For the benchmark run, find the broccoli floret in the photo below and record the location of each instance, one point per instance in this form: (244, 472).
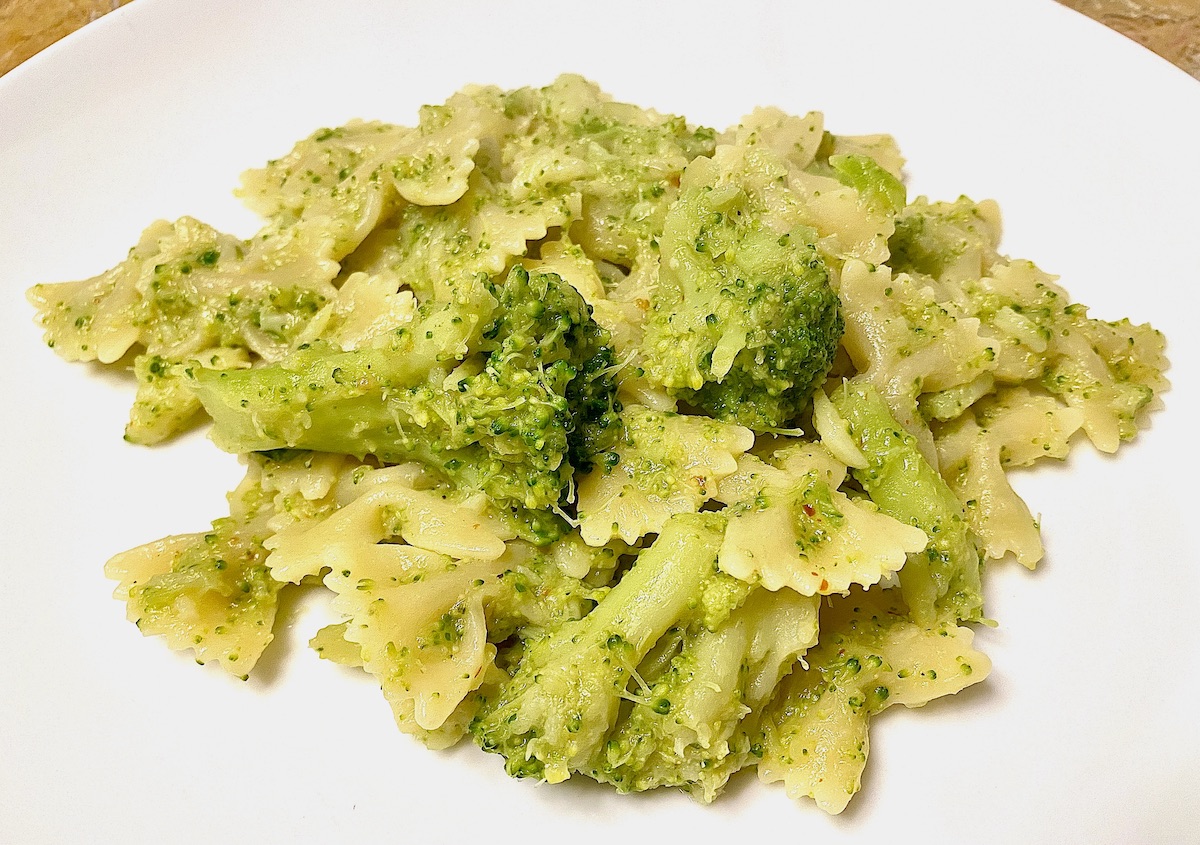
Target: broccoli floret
(552, 718)
(696, 725)
(501, 422)
(744, 322)
(943, 581)
(546, 328)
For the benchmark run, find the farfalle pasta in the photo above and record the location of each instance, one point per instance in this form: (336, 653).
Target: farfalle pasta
(632, 449)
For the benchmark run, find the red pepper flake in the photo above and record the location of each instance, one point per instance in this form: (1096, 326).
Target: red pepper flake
(809, 510)
(824, 585)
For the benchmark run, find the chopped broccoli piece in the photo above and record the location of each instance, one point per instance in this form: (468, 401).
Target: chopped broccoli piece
(943, 580)
(881, 189)
(692, 727)
(744, 322)
(552, 718)
(501, 423)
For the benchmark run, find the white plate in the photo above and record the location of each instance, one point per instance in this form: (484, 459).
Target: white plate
(1084, 733)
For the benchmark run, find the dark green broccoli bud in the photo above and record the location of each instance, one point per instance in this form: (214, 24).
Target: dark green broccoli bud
(744, 321)
(595, 425)
(544, 325)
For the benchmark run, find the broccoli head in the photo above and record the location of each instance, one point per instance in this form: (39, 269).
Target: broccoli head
(532, 398)
(744, 322)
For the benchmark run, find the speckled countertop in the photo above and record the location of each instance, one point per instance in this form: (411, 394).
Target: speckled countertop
(1170, 28)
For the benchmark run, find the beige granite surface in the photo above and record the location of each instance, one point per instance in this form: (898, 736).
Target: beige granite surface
(1170, 28)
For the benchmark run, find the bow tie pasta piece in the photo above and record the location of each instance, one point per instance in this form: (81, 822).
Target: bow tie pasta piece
(432, 165)
(1013, 428)
(1110, 372)
(422, 659)
(189, 297)
(367, 312)
(150, 298)
(795, 140)
(665, 464)
(328, 192)
(694, 726)
(385, 507)
(210, 592)
(870, 656)
(165, 403)
(949, 242)
(214, 592)
(800, 531)
(420, 628)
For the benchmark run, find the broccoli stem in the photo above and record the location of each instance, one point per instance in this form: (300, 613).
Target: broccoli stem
(316, 399)
(553, 716)
(695, 727)
(943, 580)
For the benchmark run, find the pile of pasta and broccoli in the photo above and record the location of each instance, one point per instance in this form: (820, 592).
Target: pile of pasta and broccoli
(631, 449)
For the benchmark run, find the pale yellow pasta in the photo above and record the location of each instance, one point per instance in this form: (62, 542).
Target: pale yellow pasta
(793, 139)
(667, 464)
(905, 342)
(387, 506)
(366, 311)
(209, 592)
(869, 657)
(1015, 428)
(419, 626)
(799, 531)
